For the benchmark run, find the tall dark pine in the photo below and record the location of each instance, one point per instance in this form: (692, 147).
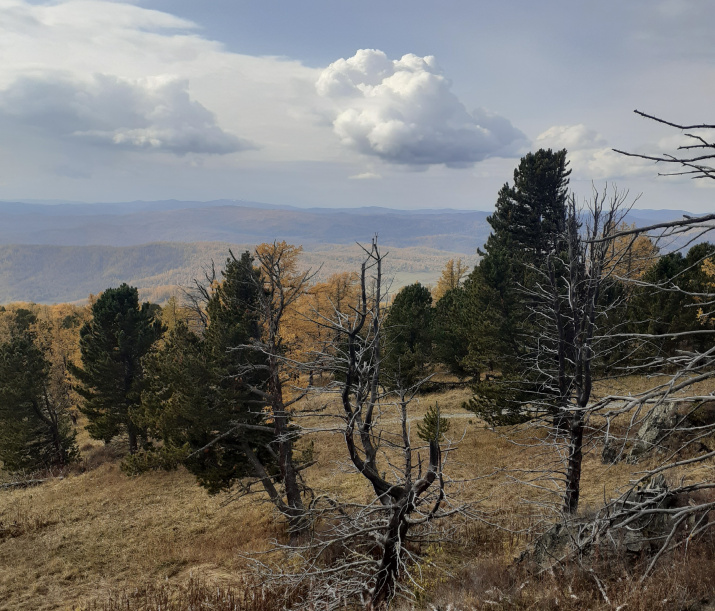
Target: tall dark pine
(528, 223)
(112, 345)
(530, 215)
(452, 332)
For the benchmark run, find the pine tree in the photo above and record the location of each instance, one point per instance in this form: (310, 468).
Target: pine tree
(452, 332)
(35, 432)
(197, 396)
(530, 215)
(527, 224)
(433, 426)
(673, 310)
(408, 337)
(112, 345)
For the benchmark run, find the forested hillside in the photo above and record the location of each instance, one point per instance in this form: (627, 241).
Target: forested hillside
(55, 274)
(63, 252)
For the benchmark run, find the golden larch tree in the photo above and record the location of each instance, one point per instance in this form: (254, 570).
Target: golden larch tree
(451, 278)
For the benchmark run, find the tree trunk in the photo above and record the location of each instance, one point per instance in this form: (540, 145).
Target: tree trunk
(389, 569)
(573, 471)
(57, 442)
(132, 431)
(52, 421)
(261, 473)
(295, 509)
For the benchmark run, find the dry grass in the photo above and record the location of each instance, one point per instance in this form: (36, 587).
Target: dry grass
(101, 540)
(81, 537)
(198, 595)
(685, 584)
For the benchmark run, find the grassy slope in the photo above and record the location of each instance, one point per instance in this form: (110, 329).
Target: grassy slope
(72, 541)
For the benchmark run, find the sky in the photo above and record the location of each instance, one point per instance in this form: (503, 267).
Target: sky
(403, 104)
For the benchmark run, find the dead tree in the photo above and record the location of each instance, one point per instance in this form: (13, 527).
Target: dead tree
(692, 157)
(365, 551)
(570, 326)
(361, 396)
(669, 504)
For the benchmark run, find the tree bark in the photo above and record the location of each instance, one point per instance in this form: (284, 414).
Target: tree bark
(294, 502)
(389, 568)
(573, 471)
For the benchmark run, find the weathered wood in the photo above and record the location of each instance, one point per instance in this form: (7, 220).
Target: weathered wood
(23, 484)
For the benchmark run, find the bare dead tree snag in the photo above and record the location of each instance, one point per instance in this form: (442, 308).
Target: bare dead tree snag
(669, 504)
(363, 551)
(360, 397)
(570, 324)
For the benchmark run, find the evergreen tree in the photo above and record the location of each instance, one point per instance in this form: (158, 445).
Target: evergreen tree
(112, 345)
(527, 224)
(408, 337)
(433, 426)
(451, 332)
(674, 309)
(198, 397)
(35, 432)
(530, 215)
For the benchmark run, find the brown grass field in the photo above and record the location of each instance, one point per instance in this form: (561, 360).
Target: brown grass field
(98, 539)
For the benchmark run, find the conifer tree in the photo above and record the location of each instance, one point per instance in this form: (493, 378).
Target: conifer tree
(527, 225)
(111, 377)
(35, 432)
(673, 310)
(433, 426)
(197, 399)
(452, 332)
(215, 397)
(408, 337)
(530, 215)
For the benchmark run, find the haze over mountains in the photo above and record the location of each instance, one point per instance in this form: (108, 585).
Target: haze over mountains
(62, 252)
(236, 222)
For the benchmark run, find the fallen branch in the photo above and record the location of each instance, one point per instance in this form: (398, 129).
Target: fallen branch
(23, 484)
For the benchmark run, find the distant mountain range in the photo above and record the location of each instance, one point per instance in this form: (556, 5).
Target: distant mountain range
(54, 252)
(134, 223)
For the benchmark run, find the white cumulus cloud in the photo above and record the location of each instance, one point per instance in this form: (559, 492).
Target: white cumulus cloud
(404, 111)
(146, 113)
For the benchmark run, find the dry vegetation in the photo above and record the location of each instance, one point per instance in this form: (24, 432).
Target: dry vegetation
(98, 539)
